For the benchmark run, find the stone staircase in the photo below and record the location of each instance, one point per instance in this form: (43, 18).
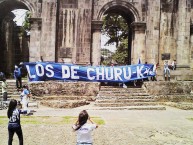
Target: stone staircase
(64, 101)
(117, 98)
(12, 90)
(13, 93)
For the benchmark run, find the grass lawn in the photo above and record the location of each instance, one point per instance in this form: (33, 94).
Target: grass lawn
(55, 120)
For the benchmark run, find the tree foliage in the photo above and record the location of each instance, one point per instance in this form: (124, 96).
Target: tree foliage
(26, 24)
(121, 54)
(116, 28)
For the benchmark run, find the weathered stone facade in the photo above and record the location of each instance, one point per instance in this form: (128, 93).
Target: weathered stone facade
(71, 29)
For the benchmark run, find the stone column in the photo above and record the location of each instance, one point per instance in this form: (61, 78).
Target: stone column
(96, 43)
(183, 35)
(138, 50)
(35, 37)
(191, 46)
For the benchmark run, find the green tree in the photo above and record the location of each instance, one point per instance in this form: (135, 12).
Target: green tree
(26, 24)
(121, 54)
(106, 56)
(116, 28)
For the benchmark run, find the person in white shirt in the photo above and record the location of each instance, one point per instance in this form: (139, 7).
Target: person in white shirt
(173, 65)
(25, 95)
(84, 129)
(4, 89)
(166, 71)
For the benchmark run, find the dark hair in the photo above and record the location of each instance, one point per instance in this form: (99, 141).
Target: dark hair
(82, 119)
(24, 86)
(12, 106)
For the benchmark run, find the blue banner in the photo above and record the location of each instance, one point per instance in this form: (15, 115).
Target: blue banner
(43, 71)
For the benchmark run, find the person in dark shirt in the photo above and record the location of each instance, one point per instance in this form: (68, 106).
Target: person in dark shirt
(2, 76)
(17, 76)
(14, 125)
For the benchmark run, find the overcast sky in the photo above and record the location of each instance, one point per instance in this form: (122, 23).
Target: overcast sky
(19, 16)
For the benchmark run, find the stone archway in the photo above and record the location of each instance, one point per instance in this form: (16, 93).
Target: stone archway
(136, 39)
(14, 48)
(29, 5)
(119, 4)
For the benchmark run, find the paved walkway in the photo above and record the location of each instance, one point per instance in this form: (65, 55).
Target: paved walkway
(122, 127)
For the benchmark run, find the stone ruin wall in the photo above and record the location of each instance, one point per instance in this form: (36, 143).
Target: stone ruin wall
(43, 30)
(56, 88)
(74, 31)
(48, 30)
(62, 29)
(168, 24)
(175, 91)
(168, 30)
(191, 36)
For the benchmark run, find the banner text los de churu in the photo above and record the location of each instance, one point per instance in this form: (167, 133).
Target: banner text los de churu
(43, 71)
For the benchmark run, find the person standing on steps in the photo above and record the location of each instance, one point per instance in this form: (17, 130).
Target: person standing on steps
(2, 76)
(17, 76)
(4, 86)
(25, 95)
(14, 125)
(173, 65)
(84, 129)
(166, 71)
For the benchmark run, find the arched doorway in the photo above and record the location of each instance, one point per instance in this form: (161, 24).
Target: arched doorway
(14, 44)
(136, 31)
(117, 23)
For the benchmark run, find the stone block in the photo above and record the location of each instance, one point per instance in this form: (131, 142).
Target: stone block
(64, 88)
(169, 88)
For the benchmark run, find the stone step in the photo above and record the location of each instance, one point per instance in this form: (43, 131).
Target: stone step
(33, 104)
(124, 97)
(126, 104)
(120, 91)
(12, 92)
(89, 98)
(122, 94)
(14, 97)
(130, 108)
(123, 89)
(18, 99)
(124, 100)
(13, 82)
(64, 104)
(180, 105)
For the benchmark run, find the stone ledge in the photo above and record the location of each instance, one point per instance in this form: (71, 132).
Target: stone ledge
(180, 105)
(168, 88)
(64, 88)
(64, 104)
